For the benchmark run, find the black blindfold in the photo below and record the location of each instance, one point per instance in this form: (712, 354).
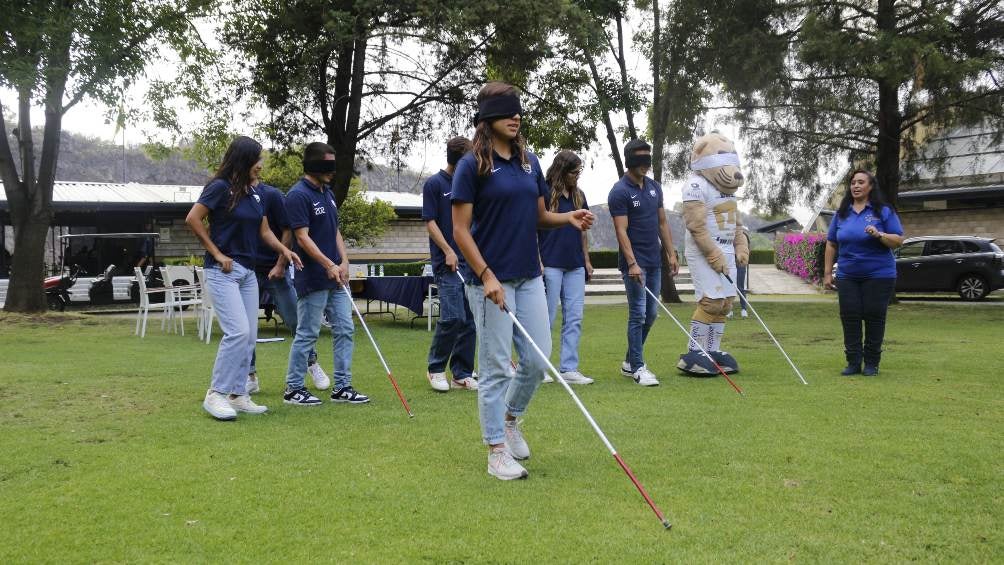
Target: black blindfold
(633, 161)
(320, 166)
(505, 106)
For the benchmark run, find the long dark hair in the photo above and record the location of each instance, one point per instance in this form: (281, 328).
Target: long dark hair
(874, 197)
(564, 162)
(483, 132)
(242, 154)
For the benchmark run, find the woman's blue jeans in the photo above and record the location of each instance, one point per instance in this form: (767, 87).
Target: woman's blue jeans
(569, 287)
(235, 302)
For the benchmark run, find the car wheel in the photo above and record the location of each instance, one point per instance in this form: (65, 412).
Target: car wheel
(972, 287)
(56, 303)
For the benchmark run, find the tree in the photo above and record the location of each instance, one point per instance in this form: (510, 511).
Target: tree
(817, 82)
(55, 53)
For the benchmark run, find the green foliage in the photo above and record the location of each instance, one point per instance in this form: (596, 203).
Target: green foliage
(401, 269)
(603, 258)
(761, 256)
(362, 222)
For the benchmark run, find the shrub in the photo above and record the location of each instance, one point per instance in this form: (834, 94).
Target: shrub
(801, 254)
(761, 256)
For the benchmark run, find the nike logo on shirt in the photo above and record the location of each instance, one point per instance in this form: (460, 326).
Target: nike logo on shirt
(317, 203)
(496, 170)
(447, 193)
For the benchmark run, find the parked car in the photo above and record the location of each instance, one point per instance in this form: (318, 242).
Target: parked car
(971, 266)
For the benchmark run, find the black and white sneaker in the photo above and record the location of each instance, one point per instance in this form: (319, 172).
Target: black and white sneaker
(350, 395)
(300, 397)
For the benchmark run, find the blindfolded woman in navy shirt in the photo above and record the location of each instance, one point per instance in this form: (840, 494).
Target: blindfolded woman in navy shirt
(236, 221)
(498, 204)
(862, 236)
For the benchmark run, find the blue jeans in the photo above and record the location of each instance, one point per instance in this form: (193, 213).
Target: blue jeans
(284, 297)
(569, 286)
(642, 310)
(741, 283)
(335, 304)
(235, 301)
(864, 300)
(455, 339)
(498, 393)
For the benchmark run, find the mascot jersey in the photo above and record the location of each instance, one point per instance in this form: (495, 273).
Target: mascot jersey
(720, 219)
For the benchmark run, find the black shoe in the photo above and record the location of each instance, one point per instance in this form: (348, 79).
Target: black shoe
(300, 397)
(850, 370)
(350, 395)
(870, 370)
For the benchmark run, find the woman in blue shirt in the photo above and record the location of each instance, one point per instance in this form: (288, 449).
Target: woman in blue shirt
(862, 236)
(498, 204)
(236, 221)
(564, 252)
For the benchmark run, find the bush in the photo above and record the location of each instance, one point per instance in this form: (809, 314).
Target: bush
(801, 254)
(603, 258)
(400, 269)
(761, 256)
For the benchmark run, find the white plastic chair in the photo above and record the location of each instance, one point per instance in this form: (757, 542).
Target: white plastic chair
(205, 311)
(180, 296)
(145, 305)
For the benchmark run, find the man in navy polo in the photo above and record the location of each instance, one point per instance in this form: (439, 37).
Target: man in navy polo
(313, 217)
(636, 206)
(455, 338)
(274, 276)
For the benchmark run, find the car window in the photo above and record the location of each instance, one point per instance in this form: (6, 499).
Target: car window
(908, 250)
(993, 247)
(943, 247)
(971, 246)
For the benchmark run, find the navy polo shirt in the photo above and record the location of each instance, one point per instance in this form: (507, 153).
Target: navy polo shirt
(504, 218)
(274, 206)
(313, 207)
(641, 205)
(234, 232)
(860, 255)
(562, 248)
(436, 206)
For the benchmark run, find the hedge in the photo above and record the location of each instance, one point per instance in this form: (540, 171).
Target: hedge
(607, 259)
(801, 254)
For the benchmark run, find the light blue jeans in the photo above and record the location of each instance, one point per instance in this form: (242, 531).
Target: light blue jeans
(235, 302)
(498, 393)
(642, 310)
(335, 304)
(568, 286)
(284, 297)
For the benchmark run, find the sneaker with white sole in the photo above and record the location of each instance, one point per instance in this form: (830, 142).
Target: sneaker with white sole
(245, 404)
(438, 381)
(300, 397)
(466, 383)
(576, 378)
(547, 378)
(252, 385)
(350, 395)
(514, 440)
(644, 377)
(218, 407)
(502, 465)
(744, 314)
(320, 378)
(626, 369)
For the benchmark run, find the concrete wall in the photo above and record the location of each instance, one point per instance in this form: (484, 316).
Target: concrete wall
(984, 222)
(405, 239)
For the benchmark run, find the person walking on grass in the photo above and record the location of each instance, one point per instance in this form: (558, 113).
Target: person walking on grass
(236, 222)
(636, 205)
(862, 235)
(564, 252)
(454, 340)
(313, 217)
(498, 205)
(274, 275)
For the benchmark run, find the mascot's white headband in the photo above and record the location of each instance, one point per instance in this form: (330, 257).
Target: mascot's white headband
(716, 160)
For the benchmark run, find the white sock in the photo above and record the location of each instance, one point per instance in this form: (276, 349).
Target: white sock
(698, 335)
(715, 336)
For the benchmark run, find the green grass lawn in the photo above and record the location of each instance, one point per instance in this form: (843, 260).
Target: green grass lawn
(107, 455)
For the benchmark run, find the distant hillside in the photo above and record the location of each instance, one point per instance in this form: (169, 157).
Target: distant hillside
(82, 158)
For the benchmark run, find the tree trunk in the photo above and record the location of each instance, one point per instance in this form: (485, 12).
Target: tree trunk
(657, 120)
(625, 84)
(890, 119)
(669, 291)
(24, 293)
(615, 150)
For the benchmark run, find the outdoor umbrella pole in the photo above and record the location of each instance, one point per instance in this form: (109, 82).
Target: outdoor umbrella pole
(390, 376)
(589, 418)
(752, 309)
(684, 330)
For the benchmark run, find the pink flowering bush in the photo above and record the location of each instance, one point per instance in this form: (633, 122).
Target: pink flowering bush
(801, 254)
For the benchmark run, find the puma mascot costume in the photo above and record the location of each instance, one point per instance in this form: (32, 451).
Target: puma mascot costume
(713, 249)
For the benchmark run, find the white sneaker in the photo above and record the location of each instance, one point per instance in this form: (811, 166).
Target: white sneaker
(501, 465)
(320, 378)
(438, 381)
(626, 369)
(466, 383)
(218, 407)
(744, 314)
(547, 378)
(514, 440)
(252, 385)
(729, 315)
(644, 377)
(245, 404)
(576, 378)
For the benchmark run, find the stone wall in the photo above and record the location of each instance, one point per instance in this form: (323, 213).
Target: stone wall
(983, 222)
(405, 238)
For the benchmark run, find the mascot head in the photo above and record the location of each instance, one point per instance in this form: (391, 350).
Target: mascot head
(714, 158)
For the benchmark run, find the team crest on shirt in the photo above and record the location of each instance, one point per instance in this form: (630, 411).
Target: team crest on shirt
(526, 168)
(652, 192)
(257, 198)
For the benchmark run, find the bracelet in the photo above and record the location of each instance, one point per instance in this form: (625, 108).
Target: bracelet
(632, 264)
(481, 277)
